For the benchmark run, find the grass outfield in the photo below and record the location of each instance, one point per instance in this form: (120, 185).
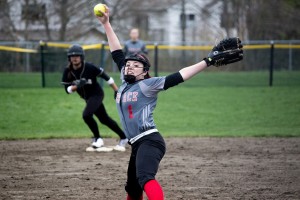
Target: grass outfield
(209, 79)
(210, 104)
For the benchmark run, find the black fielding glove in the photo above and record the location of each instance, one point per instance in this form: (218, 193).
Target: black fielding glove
(228, 51)
(80, 83)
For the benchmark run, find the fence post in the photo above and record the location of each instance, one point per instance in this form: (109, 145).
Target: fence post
(290, 58)
(271, 63)
(102, 59)
(156, 59)
(42, 44)
(102, 54)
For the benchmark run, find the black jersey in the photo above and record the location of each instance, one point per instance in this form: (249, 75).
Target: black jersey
(90, 72)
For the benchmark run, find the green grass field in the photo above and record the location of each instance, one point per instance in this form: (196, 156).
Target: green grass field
(211, 104)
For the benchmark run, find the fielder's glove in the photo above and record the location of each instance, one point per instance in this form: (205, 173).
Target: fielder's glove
(80, 83)
(228, 51)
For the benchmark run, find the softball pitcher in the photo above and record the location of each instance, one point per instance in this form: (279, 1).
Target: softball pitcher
(81, 76)
(136, 101)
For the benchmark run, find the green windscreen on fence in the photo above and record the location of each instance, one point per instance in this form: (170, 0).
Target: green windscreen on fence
(41, 64)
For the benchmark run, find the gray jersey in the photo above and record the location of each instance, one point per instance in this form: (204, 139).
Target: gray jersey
(131, 47)
(136, 103)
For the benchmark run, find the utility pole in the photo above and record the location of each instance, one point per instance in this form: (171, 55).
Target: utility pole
(183, 27)
(183, 21)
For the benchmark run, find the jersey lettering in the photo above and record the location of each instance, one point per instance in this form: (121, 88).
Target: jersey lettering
(124, 98)
(118, 97)
(134, 96)
(127, 97)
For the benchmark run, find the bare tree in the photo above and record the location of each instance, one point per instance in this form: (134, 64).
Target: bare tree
(275, 20)
(259, 19)
(76, 16)
(9, 32)
(47, 28)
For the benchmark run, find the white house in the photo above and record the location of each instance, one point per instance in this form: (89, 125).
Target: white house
(159, 21)
(164, 22)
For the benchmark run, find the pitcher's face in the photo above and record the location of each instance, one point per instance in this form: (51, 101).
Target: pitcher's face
(135, 68)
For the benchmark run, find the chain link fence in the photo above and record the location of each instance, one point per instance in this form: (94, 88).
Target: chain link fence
(46, 60)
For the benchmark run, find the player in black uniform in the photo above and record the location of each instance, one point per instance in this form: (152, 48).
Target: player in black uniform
(81, 76)
(136, 101)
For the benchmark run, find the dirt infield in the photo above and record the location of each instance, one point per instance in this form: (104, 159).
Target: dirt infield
(192, 169)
